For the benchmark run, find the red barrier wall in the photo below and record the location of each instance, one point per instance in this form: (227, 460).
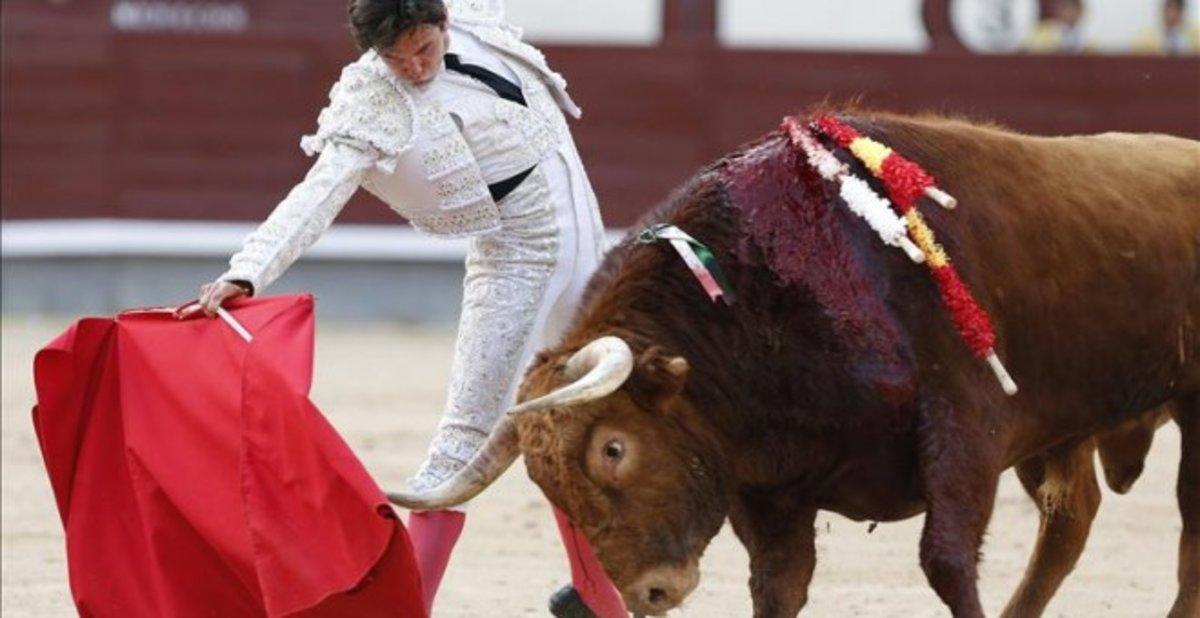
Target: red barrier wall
(103, 123)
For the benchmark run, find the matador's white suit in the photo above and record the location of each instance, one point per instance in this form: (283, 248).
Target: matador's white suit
(431, 153)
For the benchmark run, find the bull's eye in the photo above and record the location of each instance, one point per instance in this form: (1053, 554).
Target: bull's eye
(614, 450)
(609, 457)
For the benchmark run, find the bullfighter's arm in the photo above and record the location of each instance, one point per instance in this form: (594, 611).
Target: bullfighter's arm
(369, 122)
(300, 219)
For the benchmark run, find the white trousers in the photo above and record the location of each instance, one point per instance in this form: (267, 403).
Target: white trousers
(522, 286)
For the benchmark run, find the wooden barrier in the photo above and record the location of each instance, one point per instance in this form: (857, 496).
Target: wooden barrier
(102, 122)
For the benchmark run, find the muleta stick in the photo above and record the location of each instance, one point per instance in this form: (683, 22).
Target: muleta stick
(906, 182)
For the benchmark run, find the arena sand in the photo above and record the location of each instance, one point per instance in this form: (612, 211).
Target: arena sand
(381, 386)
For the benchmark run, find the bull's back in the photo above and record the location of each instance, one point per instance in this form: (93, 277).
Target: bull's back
(1085, 252)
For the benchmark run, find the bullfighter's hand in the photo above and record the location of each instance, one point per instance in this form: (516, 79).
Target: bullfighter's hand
(212, 296)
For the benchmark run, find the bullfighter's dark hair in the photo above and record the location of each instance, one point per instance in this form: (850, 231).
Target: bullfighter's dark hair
(378, 24)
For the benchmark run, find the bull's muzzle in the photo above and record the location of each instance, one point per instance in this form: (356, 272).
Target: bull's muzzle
(661, 588)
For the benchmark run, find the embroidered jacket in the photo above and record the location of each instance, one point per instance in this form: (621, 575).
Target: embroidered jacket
(429, 154)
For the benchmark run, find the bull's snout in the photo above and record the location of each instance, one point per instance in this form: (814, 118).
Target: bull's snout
(661, 588)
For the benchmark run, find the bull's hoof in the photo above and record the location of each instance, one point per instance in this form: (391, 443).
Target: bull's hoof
(566, 603)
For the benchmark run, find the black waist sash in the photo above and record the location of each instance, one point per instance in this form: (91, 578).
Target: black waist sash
(505, 90)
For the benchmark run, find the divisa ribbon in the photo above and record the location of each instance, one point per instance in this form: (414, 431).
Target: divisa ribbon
(698, 257)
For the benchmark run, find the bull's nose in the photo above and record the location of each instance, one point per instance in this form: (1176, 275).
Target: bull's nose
(662, 588)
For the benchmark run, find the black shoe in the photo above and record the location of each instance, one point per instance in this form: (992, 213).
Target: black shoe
(566, 603)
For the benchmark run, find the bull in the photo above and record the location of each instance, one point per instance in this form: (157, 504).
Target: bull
(837, 382)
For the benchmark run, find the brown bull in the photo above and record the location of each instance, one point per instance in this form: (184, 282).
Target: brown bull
(837, 381)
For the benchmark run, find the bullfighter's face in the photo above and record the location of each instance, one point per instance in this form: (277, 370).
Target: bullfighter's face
(636, 470)
(416, 56)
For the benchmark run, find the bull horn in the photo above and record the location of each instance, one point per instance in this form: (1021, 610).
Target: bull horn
(488, 463)
(598, 368)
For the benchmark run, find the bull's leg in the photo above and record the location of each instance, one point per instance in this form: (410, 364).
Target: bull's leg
(1063, 484)
(779, 537)
(1187, 415)
(959, 473)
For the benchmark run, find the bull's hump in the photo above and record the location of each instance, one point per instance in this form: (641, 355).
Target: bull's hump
(785, 210)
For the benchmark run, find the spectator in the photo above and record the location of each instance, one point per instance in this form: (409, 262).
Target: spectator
(1174, 36)
(1061, 31)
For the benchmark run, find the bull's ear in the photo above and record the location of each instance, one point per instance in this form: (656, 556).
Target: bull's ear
(657, 378)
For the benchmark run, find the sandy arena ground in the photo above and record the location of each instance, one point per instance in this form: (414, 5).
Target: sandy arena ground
(381, 386)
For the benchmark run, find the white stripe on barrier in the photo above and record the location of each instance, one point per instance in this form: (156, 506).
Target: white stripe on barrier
(49, 238)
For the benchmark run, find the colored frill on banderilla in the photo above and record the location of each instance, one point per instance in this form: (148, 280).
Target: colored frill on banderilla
(854, 191)
(906, 182)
